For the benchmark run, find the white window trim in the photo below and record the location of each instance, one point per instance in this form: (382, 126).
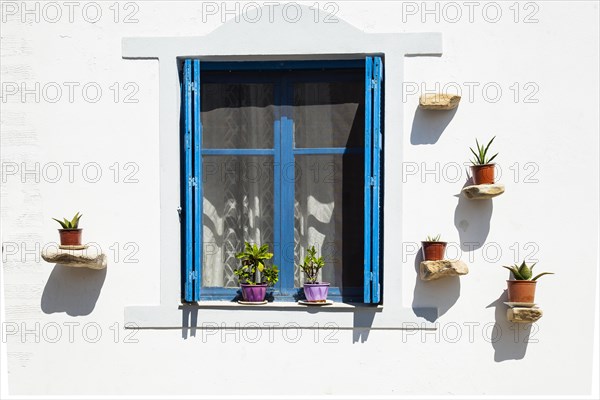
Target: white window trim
(307, 41)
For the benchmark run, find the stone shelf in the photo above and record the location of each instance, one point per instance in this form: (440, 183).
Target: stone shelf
(86, 258)
(432, 270)
(483, 192)
(523, 315)
(439, 101)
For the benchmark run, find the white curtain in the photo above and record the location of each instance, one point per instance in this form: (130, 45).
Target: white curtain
(325, 115)
(238, 190)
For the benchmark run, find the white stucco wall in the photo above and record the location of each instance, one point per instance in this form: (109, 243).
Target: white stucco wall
(546, 123)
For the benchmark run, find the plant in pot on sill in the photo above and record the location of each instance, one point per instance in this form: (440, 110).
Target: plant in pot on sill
(521, 289)
(433, 249)
(315, 292)
(483, 170)
(70, 234)
(254, 275)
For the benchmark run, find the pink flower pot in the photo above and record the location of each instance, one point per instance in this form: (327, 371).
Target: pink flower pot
(254, 293)
(316, 292)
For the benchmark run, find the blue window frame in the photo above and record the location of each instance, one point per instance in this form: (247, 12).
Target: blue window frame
(282, 76)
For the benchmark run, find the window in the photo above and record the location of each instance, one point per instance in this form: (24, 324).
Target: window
(284, 153)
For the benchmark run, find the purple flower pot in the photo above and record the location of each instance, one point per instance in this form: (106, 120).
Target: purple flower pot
(316, 291)
(254, 293)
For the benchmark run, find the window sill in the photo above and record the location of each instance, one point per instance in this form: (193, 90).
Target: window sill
(288, 306)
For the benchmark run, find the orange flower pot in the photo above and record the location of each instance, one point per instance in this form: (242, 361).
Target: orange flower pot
(433, 251)
(483, 174)
(70, 237)
(521, 291)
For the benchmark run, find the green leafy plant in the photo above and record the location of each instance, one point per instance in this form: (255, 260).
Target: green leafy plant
(433, 238)
(524, 272)
(481, 157)
(253, 270)
(271, 275)
(312, 265)
(69, 225)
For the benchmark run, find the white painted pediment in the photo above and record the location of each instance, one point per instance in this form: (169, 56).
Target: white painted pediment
(278, 36)
(286, 26)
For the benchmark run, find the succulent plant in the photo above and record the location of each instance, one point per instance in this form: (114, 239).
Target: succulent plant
(524, 272)
(69, 225)
(481, 154)
(311, 265)
(253, 269)
(433, 238)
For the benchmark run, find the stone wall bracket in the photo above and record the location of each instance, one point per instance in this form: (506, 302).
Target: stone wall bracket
(89, 257)
(433, 270)
(524, 315)
(439, 101)
(483, 192)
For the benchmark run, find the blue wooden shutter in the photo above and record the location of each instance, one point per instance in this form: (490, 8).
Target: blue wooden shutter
(187, 208)
(193, 190)
(368, 144)
(373, 142)
(376, 200)
(197, 142)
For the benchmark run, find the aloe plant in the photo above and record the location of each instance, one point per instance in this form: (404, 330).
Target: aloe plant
(525, 272)
(433, 238)
(481, 157)
(70, 225)
(312, 265)
(253, 270)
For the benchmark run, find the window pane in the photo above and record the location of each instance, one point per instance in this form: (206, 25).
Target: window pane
(328, 213)
(237, 207)
(329, 114)
(237, 116)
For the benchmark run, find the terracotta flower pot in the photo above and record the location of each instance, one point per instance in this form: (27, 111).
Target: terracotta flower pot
(483, 174)
(433, 251)
(521, 291)
(316, 292)
(70, 237)
(254, 293)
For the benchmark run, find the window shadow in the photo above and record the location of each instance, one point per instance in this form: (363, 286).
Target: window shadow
(428, 125)
(73, 291)
(508, 339)
(472, 220)
(441, 294)
(363, 321)
(189, 323)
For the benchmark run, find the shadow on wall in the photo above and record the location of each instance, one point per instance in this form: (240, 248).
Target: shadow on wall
(74, 291)
(428, 125)
(472, 220)
(189, 321)
(442, 294)
(362, 323)
(508, 339)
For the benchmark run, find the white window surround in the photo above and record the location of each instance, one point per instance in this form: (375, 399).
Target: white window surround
(278, 40)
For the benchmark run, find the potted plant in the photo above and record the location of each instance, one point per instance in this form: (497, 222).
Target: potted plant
(313, 290)
(521, 289)
(254, 275)
(433, 249)
(70, 234)
(483, 169)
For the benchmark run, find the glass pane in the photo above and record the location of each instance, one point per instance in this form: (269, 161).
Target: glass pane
(329, 114)
(237, 207)
(237, 115)
(328, 213)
